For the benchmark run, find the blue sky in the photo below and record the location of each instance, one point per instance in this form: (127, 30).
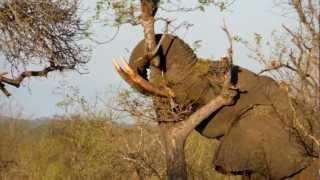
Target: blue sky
(244, 18)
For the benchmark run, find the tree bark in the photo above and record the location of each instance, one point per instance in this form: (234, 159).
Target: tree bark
(175, 156)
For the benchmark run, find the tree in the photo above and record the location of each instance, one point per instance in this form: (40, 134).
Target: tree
(42, 34)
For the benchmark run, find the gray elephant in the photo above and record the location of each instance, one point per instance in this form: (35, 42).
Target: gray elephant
(258, 134)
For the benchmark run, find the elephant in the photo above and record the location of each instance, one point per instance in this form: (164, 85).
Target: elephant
(258, 134)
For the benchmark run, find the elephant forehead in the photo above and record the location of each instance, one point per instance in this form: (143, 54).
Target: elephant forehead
(172, 51)
(177, 53)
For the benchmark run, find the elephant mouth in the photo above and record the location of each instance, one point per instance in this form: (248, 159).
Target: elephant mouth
(138, 82)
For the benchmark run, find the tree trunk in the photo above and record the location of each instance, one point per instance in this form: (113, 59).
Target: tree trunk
(175, 156)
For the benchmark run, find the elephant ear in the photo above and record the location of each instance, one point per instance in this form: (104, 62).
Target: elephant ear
(136, 62)
(259, 143)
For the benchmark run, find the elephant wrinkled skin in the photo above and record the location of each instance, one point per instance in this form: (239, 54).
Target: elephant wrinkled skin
(257, 133)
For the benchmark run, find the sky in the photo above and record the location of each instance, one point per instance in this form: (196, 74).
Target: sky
(38, 97)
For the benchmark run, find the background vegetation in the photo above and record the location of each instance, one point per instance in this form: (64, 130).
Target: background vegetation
(84, 148)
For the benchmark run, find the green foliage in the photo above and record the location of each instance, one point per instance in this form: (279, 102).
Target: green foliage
(117, 13)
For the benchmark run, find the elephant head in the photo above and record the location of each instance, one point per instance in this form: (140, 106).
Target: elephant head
(182, 70)
(255, 133)
(176, 57)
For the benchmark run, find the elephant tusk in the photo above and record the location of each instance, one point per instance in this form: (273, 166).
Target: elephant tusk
(136, 81)
(122, 73)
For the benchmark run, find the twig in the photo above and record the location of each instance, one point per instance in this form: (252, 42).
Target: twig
(108, 40)
(297, 40)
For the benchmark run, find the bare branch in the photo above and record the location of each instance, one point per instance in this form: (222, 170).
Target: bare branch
(18, 80)
(297, 4)
(281, 65)
(230, 49)
(297, 40)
